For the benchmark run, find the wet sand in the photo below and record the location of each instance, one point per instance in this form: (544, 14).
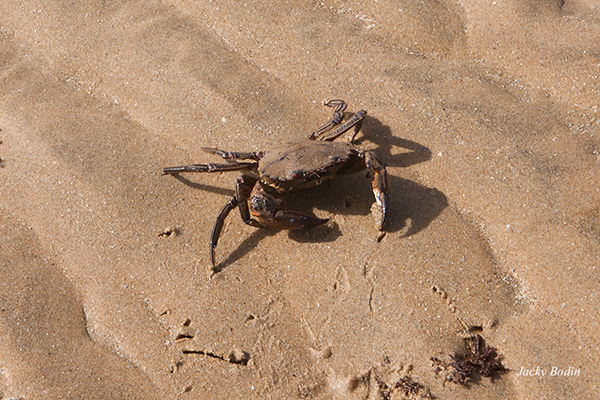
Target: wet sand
(486, 115)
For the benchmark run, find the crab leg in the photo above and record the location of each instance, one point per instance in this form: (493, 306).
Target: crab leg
(243, 186)
(218, 227)
(339, 106)
(248, 166)
(380, 182)
(355, 121)
(234, 156)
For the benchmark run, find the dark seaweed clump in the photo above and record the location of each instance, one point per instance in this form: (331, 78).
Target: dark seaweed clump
(479, 360)
(405, 385)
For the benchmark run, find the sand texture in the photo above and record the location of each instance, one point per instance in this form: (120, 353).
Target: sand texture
(486, 114)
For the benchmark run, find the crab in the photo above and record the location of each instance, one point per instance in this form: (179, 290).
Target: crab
(268, 175)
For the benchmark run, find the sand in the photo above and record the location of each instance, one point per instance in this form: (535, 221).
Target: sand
(486, 114)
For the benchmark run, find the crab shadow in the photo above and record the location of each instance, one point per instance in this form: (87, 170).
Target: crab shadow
(381, 136)
(412, 206)
(322, 233)
(202, 186)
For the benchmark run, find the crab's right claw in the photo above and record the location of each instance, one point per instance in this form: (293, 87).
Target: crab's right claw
(380, 183)
(381, 194)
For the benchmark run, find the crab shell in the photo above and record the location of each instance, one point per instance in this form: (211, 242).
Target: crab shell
(305, 163)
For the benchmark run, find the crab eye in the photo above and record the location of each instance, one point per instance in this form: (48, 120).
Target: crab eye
(296, 174)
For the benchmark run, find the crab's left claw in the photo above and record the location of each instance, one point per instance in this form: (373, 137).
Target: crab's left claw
(292, 220)
(380, 182)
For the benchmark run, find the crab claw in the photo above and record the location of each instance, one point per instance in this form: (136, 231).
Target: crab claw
(381, 198)
(264, 208)
(288, 219)
(380, 182)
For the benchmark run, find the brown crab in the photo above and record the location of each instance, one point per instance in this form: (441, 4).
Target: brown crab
(291, 166)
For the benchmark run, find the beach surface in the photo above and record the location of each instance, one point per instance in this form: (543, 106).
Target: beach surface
(486, 114)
